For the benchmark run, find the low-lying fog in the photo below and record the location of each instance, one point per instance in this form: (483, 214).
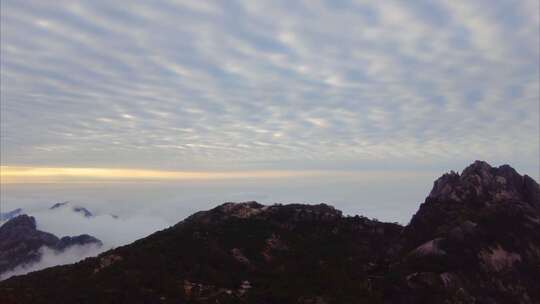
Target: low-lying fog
(145, 207)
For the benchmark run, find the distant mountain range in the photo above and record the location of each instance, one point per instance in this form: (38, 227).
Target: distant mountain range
(475, 239)
(4, 217)
(21, 242)
(85, 212)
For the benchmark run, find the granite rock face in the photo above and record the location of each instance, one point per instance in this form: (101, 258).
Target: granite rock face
(485, 223)
(480, 188)
(474, 240)
(482, 184)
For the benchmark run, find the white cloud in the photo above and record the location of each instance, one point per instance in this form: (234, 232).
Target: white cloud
(112, 232)
(51, 258)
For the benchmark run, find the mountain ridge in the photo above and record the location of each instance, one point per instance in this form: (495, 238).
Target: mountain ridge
(473, 240)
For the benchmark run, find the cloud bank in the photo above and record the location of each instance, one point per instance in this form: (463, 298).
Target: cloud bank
(111, 230)
(50, 258)
(269, 84)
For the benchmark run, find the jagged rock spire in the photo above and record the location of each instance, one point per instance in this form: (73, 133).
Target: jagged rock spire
(482, 182)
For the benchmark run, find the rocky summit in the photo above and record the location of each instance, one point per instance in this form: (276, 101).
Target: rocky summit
(475, 239)
(21, 241)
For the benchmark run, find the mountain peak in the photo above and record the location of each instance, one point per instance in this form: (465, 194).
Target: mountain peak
(58, 205)
(482, 182)
(246, 210)
(22, 221)
(241, 210)
(478, 166)
(83, 239)
(85, 212)
(20, 242)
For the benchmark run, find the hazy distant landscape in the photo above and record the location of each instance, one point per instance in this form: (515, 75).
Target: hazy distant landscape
(175, 200)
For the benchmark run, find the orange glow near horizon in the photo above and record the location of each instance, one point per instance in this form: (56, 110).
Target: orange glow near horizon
(17, 174)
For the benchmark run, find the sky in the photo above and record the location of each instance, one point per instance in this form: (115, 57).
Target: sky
(267, 91)
(270, 85)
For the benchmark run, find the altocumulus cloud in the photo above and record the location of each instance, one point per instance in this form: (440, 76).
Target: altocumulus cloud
(269, 84)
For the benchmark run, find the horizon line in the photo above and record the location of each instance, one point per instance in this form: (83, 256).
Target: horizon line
(36, 174)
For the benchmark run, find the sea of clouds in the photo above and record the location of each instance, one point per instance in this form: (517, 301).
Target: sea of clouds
(125, 212)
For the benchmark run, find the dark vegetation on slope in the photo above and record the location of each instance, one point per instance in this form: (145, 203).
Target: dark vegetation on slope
(474, 240)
